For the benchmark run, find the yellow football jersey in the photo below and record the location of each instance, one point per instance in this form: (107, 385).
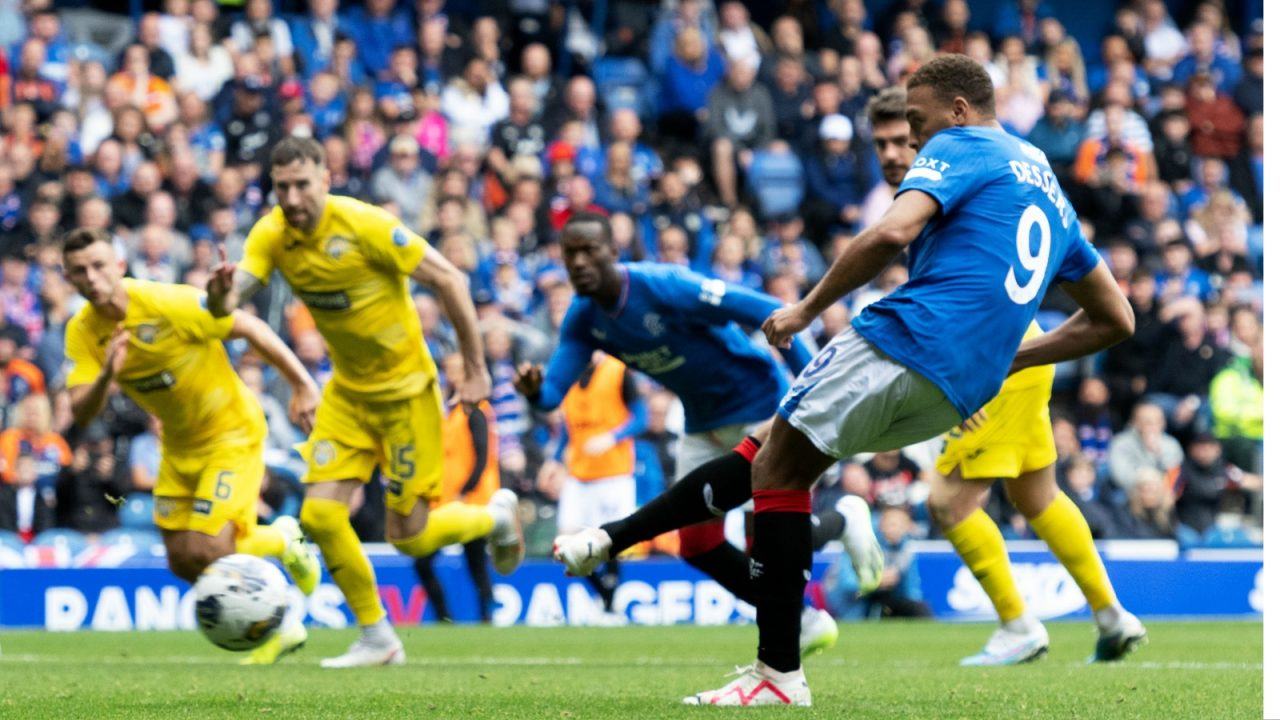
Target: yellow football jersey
(176, 367)
(1032, 376)
(352, 273)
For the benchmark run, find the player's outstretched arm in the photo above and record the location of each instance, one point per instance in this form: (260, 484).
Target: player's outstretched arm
(305, 396)
(868, 254)
(450, 287)
(1104, 319)
(87, 400)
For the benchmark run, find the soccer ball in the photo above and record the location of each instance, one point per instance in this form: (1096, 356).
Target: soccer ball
(240, 601)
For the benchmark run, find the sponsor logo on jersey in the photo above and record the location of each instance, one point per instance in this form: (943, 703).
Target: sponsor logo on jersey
(927, 168)
(164, 506)
(336, 300)
(202, 506)
(653, 324)
(146, 333)
(160, 381)
(653, 362)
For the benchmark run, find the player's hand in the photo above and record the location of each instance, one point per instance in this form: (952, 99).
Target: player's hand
(475, 387)
(303, 402)
(117, 352)
(529, 380)
(599, 444)
(784, 323)
(222, 279)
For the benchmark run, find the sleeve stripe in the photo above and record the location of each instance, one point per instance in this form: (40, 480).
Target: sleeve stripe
(924, 173)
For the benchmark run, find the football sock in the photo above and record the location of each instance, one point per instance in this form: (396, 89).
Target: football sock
(262, 541)
(781, 560)
(379, 632)
(478, 567)
(448, 524)
(605, 581)
(423, 566)
(827, 526)
(979, 544)
(707, 492)
(1066, 532)
(328, 523)
(703, 546)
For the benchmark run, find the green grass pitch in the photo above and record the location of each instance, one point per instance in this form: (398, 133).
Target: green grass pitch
(882, 670)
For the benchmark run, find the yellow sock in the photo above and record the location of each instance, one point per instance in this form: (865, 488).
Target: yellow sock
(261, 540)
(1065, 531)
(329, 525)
(448, 524)
(978, 542)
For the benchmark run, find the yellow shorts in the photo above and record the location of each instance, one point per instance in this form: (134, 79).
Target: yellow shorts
(1015, 437)
(203, 491)
(403, 437)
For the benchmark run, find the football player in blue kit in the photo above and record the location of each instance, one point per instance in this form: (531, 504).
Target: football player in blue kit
(683, 330)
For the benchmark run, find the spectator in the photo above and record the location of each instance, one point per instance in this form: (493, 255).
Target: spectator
(205, 67)
(520, 134)
(732, 265)
(89, 488)
(1181, 373)
(617, 190)
(836, 182)
(1058, 133)
(25, 508)
(1143, 446)
(1205, 57)
(1093, 420)
(1178, 276)
(253, 128)
(687, 80)
(1081, 487)
(1235, 400)
(1248, 95)
(1217, 125)
(32, 435)
(739, 121)
(402, 181)
(1151, 514)
(474, 101)
(789, 91)
(1202, 481)
(144, 458)
(739, 39)
(376, 30)
(148, 92)
(788, 252)
(899, 594)
(313, 36)
(776, 180)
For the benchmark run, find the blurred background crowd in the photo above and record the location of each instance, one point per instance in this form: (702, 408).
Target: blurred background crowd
(730, 137)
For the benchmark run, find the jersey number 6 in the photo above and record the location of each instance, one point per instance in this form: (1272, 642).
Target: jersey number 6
(1036, 263)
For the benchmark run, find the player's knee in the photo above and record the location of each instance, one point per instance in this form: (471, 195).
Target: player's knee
(319, 517)
(940, 509)
(192, 559)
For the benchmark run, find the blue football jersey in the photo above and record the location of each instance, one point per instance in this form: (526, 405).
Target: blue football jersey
(982, 264)
(683, 330)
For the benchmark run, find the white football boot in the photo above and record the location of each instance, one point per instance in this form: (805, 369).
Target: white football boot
(859, 540)
(818, 631)
(377, 645)
(506, 541)
(755, 685)
(1011, 646)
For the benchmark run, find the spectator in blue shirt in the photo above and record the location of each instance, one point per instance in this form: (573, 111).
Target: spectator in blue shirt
(835, 179)
(1058, 133)
(687, 81)
(378, 28)
(1205, 57)
(314, 35)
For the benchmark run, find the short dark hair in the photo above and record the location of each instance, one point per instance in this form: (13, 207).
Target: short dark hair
(951, 75)
(591, 217)
(81, 238)
(889, 105)
(292, 149)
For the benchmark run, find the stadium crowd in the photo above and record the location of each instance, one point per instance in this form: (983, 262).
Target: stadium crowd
(714, 135)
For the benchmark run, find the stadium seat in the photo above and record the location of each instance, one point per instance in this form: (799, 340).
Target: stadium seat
(623, 83)
(140, 538)
(71, 540)
(137, 511)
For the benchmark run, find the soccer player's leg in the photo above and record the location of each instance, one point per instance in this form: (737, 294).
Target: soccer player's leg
(341, 454)
(1059, 523)
(966, 471)
(411, 445)
(216, 516)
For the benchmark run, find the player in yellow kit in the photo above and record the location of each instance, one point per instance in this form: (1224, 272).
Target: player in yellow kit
(163, 349)
(350, 262)
(1011, 439)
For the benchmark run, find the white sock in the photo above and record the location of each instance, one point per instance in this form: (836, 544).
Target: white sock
(1022, 624)
(1108, 618)
(380, 633)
